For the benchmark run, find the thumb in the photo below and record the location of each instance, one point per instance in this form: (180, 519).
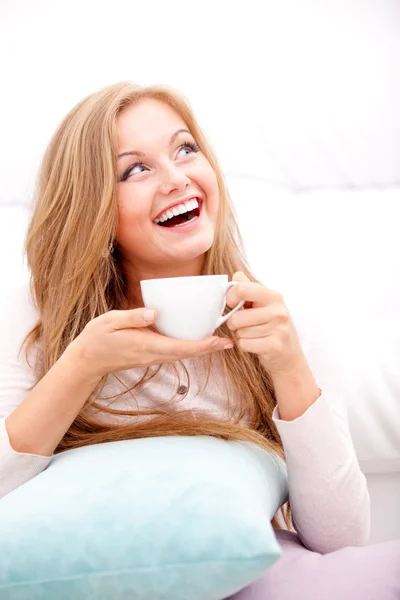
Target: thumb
(129, 318)
(135, 317)
(149, 315)
(240, 276)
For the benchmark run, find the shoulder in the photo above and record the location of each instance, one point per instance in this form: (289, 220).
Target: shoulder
(18, 300)
(18, 314)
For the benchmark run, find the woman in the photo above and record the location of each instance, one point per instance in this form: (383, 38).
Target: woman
(129, 189)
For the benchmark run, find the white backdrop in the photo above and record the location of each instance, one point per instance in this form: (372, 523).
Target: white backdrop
(303, 93)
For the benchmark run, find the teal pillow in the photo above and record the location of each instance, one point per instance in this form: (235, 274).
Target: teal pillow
(166, 518)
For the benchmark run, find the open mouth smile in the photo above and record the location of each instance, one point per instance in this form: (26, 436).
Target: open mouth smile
(180, 215)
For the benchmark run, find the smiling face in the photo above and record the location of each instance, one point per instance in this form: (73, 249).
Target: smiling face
(167, 194)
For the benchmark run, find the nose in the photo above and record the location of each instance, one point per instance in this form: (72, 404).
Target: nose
(173, 179)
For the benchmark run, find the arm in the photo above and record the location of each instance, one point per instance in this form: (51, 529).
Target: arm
(32, 424)
(328, 492)
(38, 424)
(29, 435)
(295, 391)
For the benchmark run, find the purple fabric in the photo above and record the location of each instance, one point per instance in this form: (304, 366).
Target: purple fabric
(354, 573)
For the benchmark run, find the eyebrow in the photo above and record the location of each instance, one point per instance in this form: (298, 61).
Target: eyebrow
(137, 153)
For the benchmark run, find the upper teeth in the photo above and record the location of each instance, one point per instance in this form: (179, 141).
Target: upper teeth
(177, 210)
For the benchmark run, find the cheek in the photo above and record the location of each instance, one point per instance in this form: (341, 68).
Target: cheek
(213, 194)
(208, 181)
(132, 213)
(132, 205)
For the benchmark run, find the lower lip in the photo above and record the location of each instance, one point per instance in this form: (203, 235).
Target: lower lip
(186, 227)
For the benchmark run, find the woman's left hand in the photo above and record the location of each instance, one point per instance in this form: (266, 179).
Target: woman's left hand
(265, 326)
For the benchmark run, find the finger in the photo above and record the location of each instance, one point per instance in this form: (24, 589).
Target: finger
(252, 292)
(223, 344)
(133, 318)
(170, 347)
(240, 276)
(248, 318)
(259, 331)
(215, 344)
(258, 316)
(260, 345)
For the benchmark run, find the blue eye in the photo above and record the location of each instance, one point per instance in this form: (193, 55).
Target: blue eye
(189, 146)
(129, 171)
(135, 166)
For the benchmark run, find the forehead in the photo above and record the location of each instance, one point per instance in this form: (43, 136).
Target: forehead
(147, 121)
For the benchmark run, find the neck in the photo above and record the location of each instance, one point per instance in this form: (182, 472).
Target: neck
(134, 276)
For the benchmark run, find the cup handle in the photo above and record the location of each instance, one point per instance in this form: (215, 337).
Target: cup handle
(222, 320)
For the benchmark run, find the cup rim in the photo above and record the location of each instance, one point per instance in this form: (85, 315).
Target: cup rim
(191, 277)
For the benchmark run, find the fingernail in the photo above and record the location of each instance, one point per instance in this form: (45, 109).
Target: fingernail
(227, 346)
(149, 315)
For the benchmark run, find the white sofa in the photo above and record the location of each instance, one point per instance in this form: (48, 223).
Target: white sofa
(335, 256)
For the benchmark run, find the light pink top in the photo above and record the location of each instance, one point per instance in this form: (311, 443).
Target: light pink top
(328, 492)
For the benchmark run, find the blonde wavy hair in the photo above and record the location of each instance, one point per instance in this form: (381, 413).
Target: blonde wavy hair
(76, 273)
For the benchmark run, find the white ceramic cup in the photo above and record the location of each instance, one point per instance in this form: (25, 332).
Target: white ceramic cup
(189, 308)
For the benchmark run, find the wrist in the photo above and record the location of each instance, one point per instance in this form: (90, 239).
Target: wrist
(75, 356)
(295, 390)
(296, 369)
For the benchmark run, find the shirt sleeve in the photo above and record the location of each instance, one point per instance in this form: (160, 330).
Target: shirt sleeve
(328, 492)
(17, 316)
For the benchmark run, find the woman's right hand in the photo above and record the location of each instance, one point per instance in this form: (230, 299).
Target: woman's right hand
(118, 340)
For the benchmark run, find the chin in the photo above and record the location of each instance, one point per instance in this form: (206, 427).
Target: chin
(200, 247)
(193, 251)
